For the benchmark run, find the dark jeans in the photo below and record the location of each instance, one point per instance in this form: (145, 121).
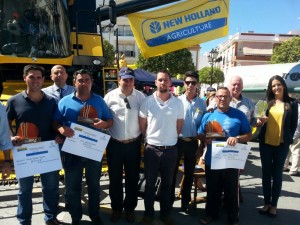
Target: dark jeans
(73, 179)
(127, 156)
(50, 184)
(272, 162)
(216, 182)
(163, 161)
(188, 150)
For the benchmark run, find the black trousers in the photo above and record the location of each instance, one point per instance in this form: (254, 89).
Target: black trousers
(189, 150)
(127, 156)
(216, 182)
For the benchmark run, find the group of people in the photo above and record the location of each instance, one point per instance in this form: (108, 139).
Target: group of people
(170, 128)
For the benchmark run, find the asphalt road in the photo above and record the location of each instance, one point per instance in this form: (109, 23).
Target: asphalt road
(288, 206)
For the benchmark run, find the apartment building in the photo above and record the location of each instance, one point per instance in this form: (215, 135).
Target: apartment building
(250, 48)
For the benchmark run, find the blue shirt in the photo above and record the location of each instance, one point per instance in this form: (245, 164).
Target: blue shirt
(234, 123)
(69, 109)
(193, 113)
(5, 142)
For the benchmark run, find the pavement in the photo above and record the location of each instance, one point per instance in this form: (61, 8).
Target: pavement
(288, 205)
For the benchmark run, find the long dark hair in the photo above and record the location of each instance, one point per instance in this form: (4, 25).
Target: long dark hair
(271, 96)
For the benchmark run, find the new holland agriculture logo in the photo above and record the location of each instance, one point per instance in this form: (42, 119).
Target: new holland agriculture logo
(165, 30)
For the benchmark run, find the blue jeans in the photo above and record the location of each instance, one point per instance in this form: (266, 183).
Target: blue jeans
(73, 179)
(50, 185)
(272, 162)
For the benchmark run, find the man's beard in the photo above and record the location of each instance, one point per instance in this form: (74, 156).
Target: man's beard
(163, 90)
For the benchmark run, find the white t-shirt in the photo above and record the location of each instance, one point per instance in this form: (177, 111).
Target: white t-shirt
(161, 119)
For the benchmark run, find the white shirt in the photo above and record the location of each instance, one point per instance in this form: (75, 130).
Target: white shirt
(125, 121)
(54, 91)
(161, 119)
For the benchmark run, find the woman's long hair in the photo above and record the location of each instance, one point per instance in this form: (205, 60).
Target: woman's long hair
(271, 96)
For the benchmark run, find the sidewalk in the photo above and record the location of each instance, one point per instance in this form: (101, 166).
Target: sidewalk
(288, 206)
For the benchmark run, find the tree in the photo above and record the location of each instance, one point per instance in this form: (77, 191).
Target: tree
(177, 62)
(287, 52)
(204, 75)
(108, 53)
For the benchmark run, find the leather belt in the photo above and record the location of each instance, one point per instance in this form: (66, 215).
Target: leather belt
(126, 141)
(162, 147)
(188, 139)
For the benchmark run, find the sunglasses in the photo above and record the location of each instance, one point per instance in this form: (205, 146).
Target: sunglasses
(190, 82)
(127, 103)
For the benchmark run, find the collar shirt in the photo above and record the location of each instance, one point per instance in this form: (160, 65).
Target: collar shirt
(193, 113)
(297, 133)
(161, 119)
(54, 91)
(125, 121)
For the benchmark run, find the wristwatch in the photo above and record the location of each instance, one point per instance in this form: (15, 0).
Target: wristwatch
(238, 139)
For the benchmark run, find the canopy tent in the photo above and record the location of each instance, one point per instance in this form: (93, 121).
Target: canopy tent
(144, 77)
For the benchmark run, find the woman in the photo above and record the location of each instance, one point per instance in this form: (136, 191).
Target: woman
(275, 137)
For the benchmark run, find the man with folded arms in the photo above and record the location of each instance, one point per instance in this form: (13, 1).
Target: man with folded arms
(161, 119)
(124, 148)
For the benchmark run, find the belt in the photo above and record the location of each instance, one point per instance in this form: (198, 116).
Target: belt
(126, 141)
(162, 147)
(188, 139)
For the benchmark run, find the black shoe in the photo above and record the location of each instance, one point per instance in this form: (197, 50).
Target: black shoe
(54, 222)
(130, 217)
(97, 221)
(115, 216)
(75, 222)
(186, 209)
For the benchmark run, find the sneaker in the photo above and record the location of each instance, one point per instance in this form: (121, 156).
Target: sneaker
(115, 216)
(97, 221)
(54, 222)
(130, 217)
(285, 169)
(146, 220)
(292, 173)
(167, 221)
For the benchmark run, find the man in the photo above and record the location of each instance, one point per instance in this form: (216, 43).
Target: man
(67, 112)
(237, 130)
(59, 89)
(124, 148)
(33, 106)
(5, 142)
(161, 120)
(194, 108)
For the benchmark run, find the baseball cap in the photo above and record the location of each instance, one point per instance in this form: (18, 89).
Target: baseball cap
(126, 73)
(210, 89)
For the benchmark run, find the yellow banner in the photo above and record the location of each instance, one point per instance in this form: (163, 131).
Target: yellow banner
(179, 26)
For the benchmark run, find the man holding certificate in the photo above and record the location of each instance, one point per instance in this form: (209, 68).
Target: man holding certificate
(88, 109)
(32, 111)
(225, 124)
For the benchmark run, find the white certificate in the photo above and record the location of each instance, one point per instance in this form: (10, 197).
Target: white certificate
(226, 156)
(86, 142)
(36, 158)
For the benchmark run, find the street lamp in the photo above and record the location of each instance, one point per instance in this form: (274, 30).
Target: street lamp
(212, 56)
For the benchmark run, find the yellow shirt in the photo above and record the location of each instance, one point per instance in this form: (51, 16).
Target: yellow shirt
(274, 132)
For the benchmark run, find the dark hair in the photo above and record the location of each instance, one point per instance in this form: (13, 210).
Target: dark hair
(33, 67)
(81, 71)
(164, 71)
(193, 74)
(223, 88)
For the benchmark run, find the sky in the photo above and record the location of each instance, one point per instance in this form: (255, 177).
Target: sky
(260, 16)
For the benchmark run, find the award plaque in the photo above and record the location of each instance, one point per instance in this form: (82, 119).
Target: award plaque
(28, 133)
(88, 114)
(260, 109)
(214, 130)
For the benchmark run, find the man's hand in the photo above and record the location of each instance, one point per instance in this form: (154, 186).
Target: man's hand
(232, 141)
(66, 131)
(16, 140)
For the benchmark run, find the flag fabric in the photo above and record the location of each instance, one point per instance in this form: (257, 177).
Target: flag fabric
(179, 26)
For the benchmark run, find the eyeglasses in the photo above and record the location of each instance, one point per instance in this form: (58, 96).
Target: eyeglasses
(190, 82)
(127, 103)
(222, 96)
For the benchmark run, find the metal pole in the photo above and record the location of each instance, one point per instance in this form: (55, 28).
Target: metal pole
(212, 71)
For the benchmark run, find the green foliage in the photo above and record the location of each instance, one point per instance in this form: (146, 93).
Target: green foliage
(287, 52)
(108, 53)
(204, 75)
(177, 62)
